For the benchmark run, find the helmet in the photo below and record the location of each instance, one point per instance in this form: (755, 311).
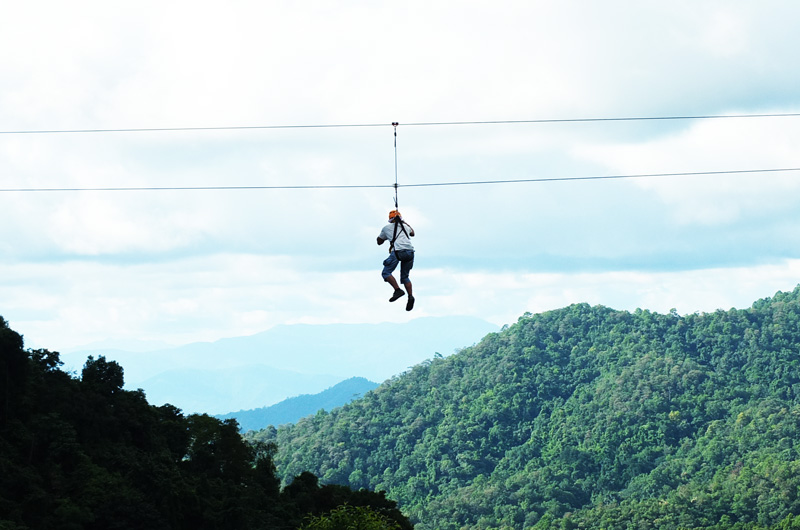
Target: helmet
(393, 214)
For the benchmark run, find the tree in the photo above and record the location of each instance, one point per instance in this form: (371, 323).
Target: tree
(348, 517)
(87, 454)
(104, 377)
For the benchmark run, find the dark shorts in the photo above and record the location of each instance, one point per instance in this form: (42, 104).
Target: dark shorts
(403, 257)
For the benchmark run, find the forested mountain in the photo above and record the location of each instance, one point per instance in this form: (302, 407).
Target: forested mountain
(83, 453)
(292, 409)
(584, 417)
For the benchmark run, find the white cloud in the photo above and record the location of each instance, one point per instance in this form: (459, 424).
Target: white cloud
(185, 266)
(727, 34)
(713, 145)
(233, 295)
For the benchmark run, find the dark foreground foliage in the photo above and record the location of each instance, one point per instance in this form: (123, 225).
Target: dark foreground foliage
(82, 453)
(584, 417)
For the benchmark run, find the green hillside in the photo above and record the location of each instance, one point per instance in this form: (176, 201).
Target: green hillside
(584, 417)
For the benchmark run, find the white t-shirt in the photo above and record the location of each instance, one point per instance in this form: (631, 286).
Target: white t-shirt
(402, 242)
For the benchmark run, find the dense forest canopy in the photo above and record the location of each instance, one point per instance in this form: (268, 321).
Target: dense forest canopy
(583, 417)
(82, 453)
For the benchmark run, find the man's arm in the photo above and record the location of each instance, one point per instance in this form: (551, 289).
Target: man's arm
(380, 240)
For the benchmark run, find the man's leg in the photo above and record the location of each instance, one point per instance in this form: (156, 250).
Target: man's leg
(406, 265)
(398, 292)
(410, 302)
(389, 265)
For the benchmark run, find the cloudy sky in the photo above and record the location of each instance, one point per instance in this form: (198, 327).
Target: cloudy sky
(195, 265)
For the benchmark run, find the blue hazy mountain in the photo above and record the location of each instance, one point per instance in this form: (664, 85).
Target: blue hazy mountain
(292, 409)
(217, 390)
(259, 370)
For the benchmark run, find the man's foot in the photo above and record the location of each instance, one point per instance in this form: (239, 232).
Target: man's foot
(410, 303)
(397, 294)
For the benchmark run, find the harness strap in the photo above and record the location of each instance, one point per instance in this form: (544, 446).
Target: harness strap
(394, 235)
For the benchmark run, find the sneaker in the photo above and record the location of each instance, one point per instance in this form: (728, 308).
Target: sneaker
(410, 303)
(397, 294)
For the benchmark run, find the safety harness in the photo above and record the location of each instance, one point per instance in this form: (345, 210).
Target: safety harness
(395, 234)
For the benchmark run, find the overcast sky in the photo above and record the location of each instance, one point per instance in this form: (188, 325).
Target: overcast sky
(185, 266)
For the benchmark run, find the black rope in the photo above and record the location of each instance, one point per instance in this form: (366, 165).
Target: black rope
(395, 124)
(589, 120)
(412, 185)
(602, 177)
(414, 124)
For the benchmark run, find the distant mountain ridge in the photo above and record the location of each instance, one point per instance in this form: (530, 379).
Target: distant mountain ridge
(294, 408)
(212, 390)
(259, 370)
(583, 417)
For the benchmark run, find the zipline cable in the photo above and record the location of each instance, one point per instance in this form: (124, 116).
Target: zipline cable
(207, 188)
(410, 124)
(600, 177)
(584, 120)
(417, 185)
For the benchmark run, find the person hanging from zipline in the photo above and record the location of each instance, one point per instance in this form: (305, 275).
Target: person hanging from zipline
(401, 252)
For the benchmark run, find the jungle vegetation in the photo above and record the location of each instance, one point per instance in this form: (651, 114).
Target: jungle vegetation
(80, 452)
(582, 417)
